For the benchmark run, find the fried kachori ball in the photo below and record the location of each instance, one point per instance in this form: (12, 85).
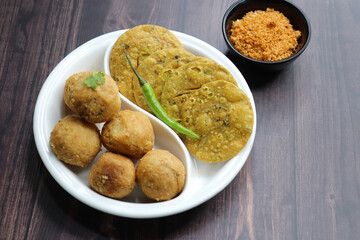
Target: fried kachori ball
(129, 133)
(94, 105)
(75, 141)
(113, 175)
(160, 175)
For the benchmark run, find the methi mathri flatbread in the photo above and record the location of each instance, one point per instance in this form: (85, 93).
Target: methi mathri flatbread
(188, 78)
(156, 69)
(221, 113)
(143, 40)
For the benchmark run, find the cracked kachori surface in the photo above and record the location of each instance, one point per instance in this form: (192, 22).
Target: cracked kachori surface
(160, 175)
(94, 105)
(113, 175)
(75, 141)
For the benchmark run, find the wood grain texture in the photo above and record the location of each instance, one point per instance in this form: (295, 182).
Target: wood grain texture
(301, 181)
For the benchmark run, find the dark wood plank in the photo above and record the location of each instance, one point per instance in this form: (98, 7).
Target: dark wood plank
(29, 56)
(327, 176)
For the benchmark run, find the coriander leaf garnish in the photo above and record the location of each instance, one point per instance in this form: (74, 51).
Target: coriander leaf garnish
(97, 78)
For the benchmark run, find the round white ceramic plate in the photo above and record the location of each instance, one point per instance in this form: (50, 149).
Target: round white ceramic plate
(204, 180)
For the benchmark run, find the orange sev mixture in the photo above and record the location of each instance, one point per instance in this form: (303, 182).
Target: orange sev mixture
(264, 35)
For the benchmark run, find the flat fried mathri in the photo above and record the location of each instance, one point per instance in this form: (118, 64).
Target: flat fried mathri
(221, 114)
(188, 78)
(143, 40)
(157, 68)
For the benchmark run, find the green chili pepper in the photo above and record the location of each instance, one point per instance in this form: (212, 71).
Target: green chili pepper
(155, 106)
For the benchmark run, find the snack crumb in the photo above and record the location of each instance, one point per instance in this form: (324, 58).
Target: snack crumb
(264, 35)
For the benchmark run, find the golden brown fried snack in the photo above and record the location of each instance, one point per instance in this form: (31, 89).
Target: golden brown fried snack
(157, 69)
(143, 40)
(222, 114)
(75, 141)
(113, 175)
(129, 133)
(188, 78)
(160, 175)
(95, 106)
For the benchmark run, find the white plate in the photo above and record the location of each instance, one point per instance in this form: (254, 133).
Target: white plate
(204, 180)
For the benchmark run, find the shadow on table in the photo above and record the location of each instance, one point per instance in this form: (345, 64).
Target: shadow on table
(256, 78)
(63, 213)
(69, 215)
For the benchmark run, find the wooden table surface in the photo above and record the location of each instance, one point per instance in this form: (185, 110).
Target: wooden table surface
(301, 180)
